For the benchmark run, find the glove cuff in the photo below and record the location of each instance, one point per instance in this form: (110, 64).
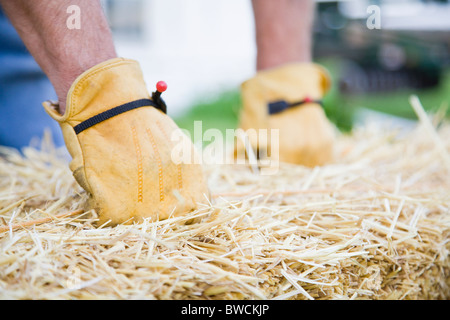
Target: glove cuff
(103, 87)
(294, 81)
(289, 84)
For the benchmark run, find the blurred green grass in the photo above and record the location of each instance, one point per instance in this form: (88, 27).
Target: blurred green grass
(222, 112)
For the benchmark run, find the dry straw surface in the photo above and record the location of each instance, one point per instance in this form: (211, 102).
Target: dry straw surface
(373, 225)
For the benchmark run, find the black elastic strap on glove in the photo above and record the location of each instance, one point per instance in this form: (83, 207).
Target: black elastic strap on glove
(116, 111)
(279, 106)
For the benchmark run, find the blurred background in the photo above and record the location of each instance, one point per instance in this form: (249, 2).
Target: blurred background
(204, 50)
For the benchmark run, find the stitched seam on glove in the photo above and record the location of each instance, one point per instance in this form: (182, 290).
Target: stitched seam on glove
(179, 168)
(140, 168)
(160, 168)
(88, 76)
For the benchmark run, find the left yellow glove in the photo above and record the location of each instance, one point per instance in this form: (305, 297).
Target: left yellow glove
(121, 147)
(286, 98)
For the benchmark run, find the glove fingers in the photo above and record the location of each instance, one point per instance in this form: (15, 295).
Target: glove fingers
(306, 135)
(138, 176)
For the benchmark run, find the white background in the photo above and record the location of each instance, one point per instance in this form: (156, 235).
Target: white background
(199, 47)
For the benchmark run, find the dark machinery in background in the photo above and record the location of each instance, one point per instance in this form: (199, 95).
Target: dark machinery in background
(411, 49)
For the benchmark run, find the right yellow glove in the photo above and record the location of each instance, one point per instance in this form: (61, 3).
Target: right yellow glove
(122, 150)
(285, 98)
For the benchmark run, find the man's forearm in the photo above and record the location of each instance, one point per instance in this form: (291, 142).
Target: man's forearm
(63, 53)
(283, 31)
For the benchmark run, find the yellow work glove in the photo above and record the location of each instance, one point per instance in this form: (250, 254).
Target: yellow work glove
(287, 98)
(121, 146)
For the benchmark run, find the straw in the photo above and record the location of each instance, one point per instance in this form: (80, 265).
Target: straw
(374, 224)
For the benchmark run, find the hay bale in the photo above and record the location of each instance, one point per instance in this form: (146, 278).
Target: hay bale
(373, 225)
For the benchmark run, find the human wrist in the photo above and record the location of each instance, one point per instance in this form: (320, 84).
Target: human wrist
(63, 78)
